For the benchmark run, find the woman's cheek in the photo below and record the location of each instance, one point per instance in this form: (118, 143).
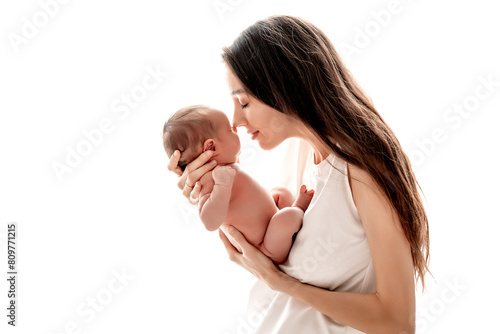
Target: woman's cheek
(277, 124)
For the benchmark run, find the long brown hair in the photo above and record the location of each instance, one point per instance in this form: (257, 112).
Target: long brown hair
(291, 65)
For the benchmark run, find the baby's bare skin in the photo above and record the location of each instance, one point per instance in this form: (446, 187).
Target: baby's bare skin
(231, 197)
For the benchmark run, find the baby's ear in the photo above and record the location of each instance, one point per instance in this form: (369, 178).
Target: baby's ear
(209, 145)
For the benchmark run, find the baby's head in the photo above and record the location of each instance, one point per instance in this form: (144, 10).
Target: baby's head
(196, 129)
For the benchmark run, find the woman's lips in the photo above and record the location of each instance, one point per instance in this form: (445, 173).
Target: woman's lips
(255, 134)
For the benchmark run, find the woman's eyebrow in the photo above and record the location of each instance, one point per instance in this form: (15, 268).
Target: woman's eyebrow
(238, 91)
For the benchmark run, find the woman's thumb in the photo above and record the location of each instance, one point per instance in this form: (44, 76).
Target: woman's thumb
(236, 238)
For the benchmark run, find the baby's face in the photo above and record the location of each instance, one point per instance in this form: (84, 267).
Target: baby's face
(228, 143)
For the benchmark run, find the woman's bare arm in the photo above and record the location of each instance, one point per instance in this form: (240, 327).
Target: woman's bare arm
(391, 309)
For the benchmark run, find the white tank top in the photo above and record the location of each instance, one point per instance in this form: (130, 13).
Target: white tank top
(330, 251)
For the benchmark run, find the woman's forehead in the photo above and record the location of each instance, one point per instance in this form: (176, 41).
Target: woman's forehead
(235, 86)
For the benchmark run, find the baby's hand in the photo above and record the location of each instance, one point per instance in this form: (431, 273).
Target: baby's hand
(223, 175)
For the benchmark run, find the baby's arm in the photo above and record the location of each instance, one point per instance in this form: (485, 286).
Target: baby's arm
(213, 205)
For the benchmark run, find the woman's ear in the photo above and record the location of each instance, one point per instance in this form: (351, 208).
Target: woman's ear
(209, 145)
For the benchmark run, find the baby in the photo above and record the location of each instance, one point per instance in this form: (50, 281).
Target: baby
(228, 195)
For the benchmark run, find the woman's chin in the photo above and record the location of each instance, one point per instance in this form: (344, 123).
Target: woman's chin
(266, 146)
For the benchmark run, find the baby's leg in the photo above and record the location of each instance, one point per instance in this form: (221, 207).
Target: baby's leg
(282, 197)
(283, 225)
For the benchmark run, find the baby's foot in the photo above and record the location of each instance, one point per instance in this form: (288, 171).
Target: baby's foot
(223, 175)
(304, 198)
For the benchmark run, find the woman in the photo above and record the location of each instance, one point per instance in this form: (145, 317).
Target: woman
(365, 236)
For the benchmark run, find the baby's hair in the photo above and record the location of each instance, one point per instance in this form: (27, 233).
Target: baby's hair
(186, 130)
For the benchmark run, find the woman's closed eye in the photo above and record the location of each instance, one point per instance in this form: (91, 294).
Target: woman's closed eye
(243, 106)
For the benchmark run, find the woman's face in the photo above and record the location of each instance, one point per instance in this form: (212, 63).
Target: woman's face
(266, 125)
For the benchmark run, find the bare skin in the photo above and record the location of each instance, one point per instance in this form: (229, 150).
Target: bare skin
(391, 309)
(188, 180)
(229, 196)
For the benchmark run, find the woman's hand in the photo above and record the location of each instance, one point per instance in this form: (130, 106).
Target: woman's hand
(253, 260)
(188, 181)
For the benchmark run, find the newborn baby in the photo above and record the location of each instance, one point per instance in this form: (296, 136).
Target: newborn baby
(228, 195)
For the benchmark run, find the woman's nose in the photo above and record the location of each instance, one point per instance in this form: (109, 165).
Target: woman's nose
(238, 117)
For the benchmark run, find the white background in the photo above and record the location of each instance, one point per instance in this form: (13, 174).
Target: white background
(119, 209)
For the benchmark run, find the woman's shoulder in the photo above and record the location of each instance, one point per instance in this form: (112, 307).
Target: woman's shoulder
(363, 185)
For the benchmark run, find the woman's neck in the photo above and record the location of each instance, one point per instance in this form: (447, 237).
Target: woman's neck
(320, 153)
(321, 149)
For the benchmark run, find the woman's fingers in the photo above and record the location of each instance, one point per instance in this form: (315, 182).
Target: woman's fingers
(193, 193)
(187, 190)
(196, 175)
(231, 251)
(173, 163)
(250, 258)
(239, 239)
(196, 169)
(188, 181)
(247, 249)
(194, 197)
